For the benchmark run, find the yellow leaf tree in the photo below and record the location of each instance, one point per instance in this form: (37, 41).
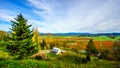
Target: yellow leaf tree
(36, 38)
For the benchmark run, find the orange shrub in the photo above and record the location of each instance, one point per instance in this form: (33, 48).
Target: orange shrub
(39, 55)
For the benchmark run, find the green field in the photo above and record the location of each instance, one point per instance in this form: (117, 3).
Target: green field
(104, 38)
(56, 64)
(96, 38)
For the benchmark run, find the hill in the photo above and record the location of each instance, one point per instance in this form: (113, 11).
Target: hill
(82, 34)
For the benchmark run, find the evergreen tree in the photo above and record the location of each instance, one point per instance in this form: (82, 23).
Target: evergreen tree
(91, 47)
(20, 44)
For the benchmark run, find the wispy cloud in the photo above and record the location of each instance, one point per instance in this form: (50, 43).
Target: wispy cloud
(70, 15)
(6, 15)
(78, 16)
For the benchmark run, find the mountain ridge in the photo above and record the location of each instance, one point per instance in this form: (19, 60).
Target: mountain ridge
(83, 34)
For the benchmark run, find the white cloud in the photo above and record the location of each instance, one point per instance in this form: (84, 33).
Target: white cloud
(6, 15)
(80, 16)
(71, 15)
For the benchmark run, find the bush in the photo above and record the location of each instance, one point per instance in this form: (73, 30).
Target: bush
(70, 57)
(107, 54)
(39, 56)
(3, 45)
(101, 57)
(4, 55)
(84, 60)
(88, 57)
(116, 50)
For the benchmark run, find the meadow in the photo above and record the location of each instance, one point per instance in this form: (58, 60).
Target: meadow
(66, 61)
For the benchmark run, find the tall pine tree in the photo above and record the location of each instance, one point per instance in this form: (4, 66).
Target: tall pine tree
(20, 44)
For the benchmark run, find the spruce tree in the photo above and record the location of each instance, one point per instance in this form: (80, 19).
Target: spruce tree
(20, 44)
(91, 47)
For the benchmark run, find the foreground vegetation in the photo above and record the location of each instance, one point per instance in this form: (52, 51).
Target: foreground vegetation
(67, 61)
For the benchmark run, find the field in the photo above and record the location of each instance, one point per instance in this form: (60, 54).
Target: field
(73, 41)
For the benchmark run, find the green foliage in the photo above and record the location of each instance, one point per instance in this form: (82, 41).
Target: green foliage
(71, 57)
(116, 50)
(71, 60)
(52, 44)
(43, 44)
(88, 57)
(56, 63)
(106, 54)
(51, 55)
(91, 47)
(4, 55)
(23, 64)
(20, 44)
(101, 57)
(84, 60)
(3, 45)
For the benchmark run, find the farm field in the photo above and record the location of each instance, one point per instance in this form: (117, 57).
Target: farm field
(100, 41)
(97, 38)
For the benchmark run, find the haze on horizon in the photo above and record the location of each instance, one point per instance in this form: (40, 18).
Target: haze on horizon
(57, 16)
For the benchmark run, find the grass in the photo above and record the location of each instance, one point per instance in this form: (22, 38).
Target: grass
(101, 38)
(56, 64)
(23, 64)
(67, 60)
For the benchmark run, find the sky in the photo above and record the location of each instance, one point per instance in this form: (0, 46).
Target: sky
(62, 16)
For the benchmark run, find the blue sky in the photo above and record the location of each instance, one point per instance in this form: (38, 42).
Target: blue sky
(53, 16)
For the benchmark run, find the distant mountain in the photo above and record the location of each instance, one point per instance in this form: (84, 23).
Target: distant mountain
(82, 34)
